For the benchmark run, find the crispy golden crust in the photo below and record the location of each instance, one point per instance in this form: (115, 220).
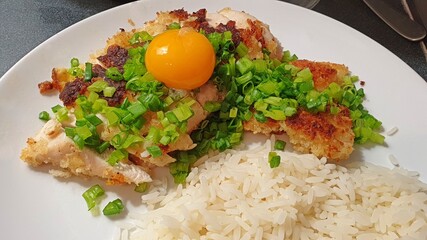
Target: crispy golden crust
(60, 77)
(323, 134)
(324, 73)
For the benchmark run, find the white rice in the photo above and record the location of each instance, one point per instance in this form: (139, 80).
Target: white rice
(392, 131)
(236, 195)
(393, 160)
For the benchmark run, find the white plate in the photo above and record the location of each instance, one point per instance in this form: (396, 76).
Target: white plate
(34, 205)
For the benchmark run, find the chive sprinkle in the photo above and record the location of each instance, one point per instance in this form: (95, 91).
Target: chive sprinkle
(273, 159)
(279, 145)
(44, 116)
(113, 208)
(92, 195)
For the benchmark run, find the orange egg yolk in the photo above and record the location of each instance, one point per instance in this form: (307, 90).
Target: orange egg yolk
(181, 58)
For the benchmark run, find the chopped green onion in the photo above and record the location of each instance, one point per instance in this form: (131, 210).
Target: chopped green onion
(259, 116)
(165, 140)
(140, 37)
(112, 117)
(182, 113)
(154, 151)
(116, 156)
(168, 100)
(75, 70)
(93, 119)
(104, 146)
(79, 141)
(260, 65)
(287, 57)
(268, 87)
(235, 138)
(98, 86)
(113, 208)
(74, 62)
(244, 78)
(152, 101)
(88, 71)
(61, 114)
(171, 117)
(273, 159)
(142, 187)
(109, 91)
(92, 194)
(277, 115)
(174, 25)
(153, 135)
(83, 132)
(242, 50)
(56, 108)
(334, 110)
(279, 145)
(179, 170)
(212, 106)
(44, 116)
(233, 112)
(244, 65)
(113, 73)
(131, 140)
(137, 109)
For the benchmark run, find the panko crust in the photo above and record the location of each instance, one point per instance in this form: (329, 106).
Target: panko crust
(323, 134)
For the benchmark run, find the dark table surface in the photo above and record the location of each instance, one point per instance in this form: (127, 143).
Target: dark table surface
(24, 24)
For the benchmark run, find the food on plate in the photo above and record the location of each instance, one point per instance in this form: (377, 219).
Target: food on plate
(187, 84)
(236, 195)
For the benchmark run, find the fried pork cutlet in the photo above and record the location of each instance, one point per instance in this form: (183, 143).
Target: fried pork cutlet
(323, 134)
(52, 146)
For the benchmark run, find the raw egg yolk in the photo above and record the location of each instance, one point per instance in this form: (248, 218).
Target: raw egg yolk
(181, 58)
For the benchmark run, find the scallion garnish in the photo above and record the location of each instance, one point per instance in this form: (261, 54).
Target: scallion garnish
(93, 119)
(154, 151)
(74, 62)
(61, 113)
(279, 145)
(273, 159)
(174, 25)
(113, 73)
(242, 50)
(98, 86)
(104, 146)
(88, 71)
(75, 69)
(181, 113)
(140, 37)
(56, 108)
(116, 156)
(113, 208)
(44, 116)
(109, 91)
(142, 187)
(92, 195)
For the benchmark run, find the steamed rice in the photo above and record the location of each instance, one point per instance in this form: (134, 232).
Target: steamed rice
(236, 195)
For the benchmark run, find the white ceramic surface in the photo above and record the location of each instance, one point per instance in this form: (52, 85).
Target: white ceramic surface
(35, 205)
